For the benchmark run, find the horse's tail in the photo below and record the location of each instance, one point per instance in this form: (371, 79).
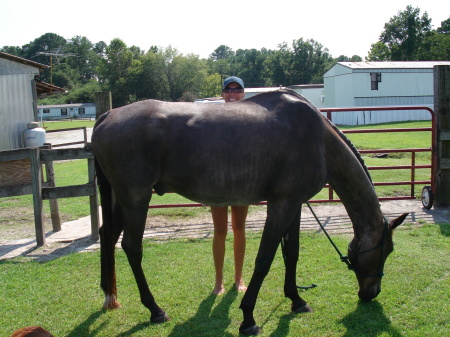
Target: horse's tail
(106, 199)
(109, 234)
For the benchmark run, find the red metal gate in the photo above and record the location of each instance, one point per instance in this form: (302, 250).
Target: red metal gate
(412, 167)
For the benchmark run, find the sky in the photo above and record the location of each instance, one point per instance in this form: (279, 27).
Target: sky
(200, 26)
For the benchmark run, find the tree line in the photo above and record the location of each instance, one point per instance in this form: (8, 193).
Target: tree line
(132, 74)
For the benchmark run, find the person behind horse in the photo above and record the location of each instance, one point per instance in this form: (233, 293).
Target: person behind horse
(232, 91)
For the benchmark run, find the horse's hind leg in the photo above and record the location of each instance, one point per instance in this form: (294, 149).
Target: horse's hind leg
(134, 218)
(291, 250)
(109, 235)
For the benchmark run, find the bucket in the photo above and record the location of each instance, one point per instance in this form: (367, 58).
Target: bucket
(34, 136)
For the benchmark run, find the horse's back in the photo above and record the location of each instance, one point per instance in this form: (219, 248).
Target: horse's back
(234, 153)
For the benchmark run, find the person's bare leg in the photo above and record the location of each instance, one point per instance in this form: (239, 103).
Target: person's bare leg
(238, 217)
(220, 220)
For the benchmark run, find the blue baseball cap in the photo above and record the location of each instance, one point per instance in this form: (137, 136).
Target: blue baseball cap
(233, 79)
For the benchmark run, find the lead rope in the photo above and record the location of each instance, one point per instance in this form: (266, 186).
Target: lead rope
(343, 258)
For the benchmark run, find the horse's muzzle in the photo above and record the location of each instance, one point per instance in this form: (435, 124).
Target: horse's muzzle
(368, 294)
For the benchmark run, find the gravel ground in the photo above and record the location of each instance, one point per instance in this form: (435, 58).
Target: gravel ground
(75, 235)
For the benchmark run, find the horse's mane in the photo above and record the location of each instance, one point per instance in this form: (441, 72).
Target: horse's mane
(335, 128)
(352, 147)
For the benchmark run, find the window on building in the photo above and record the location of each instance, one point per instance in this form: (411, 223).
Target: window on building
(46, 111)
(81, 111)
(64, 112)
(375, 78)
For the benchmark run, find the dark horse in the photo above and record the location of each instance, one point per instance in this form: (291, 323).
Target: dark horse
(275, 146)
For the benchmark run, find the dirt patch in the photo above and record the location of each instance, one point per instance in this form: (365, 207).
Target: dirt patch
(75, 236)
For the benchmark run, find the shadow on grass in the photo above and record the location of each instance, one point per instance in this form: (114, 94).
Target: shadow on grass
(83, 329)
(208, 321)
(445, 229)
(368, 319)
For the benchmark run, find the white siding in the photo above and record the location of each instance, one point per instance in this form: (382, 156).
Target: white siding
(16, 109)
(73, 111)
(348, 84)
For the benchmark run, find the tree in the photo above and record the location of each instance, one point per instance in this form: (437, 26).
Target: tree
(277, 66)
(343, 58)
(114, 69)
(248, 64)
(17, 51)
(310, 61)
(41, 50)
(444, 28)
(221, 53)
(220, 61)
(403, 36)
(184, 73)
(83, 58)
(212, 86)
(435, 47)
(379, 52)
(147, 77)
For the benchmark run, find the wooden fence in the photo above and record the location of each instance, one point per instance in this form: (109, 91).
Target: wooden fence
(21, 173)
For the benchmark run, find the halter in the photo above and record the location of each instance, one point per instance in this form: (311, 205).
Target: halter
(379, 245)
(345, 259)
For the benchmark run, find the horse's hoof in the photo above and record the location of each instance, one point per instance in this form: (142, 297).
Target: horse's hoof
(250, 331)
(111, 303)
(161, 318)
(303, 308)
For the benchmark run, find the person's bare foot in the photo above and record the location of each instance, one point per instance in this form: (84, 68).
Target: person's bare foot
(219, 289)
(240, 286)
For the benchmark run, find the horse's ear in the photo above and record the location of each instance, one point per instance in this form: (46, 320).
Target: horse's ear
(393, 224)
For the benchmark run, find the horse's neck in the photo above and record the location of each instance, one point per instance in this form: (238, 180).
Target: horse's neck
(353, 186)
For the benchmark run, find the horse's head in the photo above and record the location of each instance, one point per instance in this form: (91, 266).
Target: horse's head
(367, 257)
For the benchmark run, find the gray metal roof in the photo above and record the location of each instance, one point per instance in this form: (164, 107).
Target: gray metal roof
(22, 60)
(394, 65)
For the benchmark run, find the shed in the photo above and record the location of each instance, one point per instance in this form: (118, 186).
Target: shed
(18, 97)
(361, 84)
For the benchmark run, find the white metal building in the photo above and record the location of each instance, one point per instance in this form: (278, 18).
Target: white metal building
(58, 111)
(361, 84)
(19, 88)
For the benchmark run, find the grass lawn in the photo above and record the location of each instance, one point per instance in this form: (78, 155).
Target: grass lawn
(67, 124)
(63, 295)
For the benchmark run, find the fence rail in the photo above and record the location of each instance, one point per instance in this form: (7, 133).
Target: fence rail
(84, 142)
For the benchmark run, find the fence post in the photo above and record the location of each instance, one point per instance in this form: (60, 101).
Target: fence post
(36, 186)
(442, 112)
(103, 102)
(54, 208)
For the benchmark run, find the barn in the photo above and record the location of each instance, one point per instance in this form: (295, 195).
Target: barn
(364, 84)
(19, 90)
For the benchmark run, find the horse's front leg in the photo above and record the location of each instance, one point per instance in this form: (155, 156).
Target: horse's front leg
(132, 245)
(291, 250)
(279, 216)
